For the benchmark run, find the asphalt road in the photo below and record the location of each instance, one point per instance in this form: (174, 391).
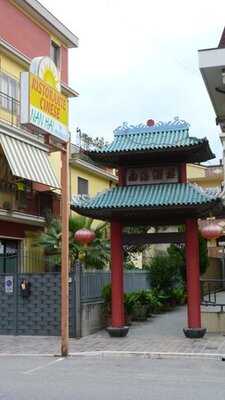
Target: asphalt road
(36, 378)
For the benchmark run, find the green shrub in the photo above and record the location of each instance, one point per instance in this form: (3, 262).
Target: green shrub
(143, 303)
(129, 265)
(177, 255)
(137, 305)
(106, 295)
(178, 294)
(163, 273)
(155, 305)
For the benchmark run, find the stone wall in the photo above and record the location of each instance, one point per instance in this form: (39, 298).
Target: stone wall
(213, 321)
(91, 318)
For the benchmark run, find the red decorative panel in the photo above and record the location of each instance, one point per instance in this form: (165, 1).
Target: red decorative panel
(151, 175)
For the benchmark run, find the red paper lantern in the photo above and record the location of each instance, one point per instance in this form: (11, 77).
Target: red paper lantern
(211, 231)
(84, 236)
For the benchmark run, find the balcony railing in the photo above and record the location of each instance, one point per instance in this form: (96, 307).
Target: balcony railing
(9, 110)
(26, 202)
(213, 293)
(31, 261)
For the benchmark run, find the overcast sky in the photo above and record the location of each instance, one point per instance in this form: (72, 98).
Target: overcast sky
(138, 60)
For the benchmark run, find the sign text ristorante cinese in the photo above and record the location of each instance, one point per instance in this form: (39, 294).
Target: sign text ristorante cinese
(48, 100)
(42, 105)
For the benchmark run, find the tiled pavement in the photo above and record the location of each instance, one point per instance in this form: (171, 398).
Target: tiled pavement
(161, 334)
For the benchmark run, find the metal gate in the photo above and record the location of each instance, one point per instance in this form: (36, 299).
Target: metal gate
(38, 313)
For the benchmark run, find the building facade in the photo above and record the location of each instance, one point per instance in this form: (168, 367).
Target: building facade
(212, 67)
(85, 176)
(29, 188)
(206, 176)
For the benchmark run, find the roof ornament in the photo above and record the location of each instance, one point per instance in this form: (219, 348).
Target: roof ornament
(175, 125)
(80, 199)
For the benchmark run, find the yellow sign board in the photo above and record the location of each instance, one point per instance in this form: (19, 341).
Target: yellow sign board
(42, 104)
(48, 100)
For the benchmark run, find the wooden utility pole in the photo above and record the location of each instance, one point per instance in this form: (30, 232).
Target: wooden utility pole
(65, 251)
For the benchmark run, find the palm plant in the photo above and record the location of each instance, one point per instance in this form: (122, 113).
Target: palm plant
(51, 238)
(96, 255)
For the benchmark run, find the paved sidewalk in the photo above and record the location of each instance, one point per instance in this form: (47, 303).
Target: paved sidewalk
(160, 334)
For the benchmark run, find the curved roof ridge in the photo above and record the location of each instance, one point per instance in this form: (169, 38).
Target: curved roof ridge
(170, 138)
(161, 194)
(159, 127)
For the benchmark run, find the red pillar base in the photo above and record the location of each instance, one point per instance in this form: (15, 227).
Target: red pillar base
(117, 332)
(194, 333)
(194, 329)
(118, 328)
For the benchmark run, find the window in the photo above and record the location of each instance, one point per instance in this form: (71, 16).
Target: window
(55, 54)
(82, 186)
(9, 93)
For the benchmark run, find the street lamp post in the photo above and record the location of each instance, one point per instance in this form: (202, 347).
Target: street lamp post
(65, 251)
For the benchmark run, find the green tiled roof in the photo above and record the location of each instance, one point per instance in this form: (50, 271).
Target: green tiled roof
(169, 135)
(170, 138)
(150, 141)
(139, 196)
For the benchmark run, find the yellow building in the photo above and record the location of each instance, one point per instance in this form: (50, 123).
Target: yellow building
(209, 176)
(206, 176)
(85, 177)
(28, 185)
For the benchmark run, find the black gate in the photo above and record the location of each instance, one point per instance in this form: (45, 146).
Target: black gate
(36, 312)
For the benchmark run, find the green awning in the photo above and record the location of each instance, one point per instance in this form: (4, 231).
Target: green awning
(28, 161)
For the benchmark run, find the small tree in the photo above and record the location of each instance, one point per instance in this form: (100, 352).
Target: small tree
(177, 254)
(96, 254)
(164, 273)
(88, 142)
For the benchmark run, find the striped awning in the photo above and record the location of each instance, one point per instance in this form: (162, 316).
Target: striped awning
(28, 162)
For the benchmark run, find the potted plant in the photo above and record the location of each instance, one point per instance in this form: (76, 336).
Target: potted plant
(7, 206)
(106, 307)
(140, 305)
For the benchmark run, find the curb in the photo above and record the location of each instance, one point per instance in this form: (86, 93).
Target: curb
(125, 354)
(149, 355)
(29, 355)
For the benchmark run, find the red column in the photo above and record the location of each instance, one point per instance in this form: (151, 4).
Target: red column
(117, 275)
(183, 173)
(193, 274)
(121, 176)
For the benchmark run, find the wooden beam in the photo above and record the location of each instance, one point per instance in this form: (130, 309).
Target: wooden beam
(152, 238)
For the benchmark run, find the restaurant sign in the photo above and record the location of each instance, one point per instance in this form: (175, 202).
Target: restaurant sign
(42, 104)
(151, 175)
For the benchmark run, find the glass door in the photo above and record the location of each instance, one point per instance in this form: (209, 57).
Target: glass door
(9, 256)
